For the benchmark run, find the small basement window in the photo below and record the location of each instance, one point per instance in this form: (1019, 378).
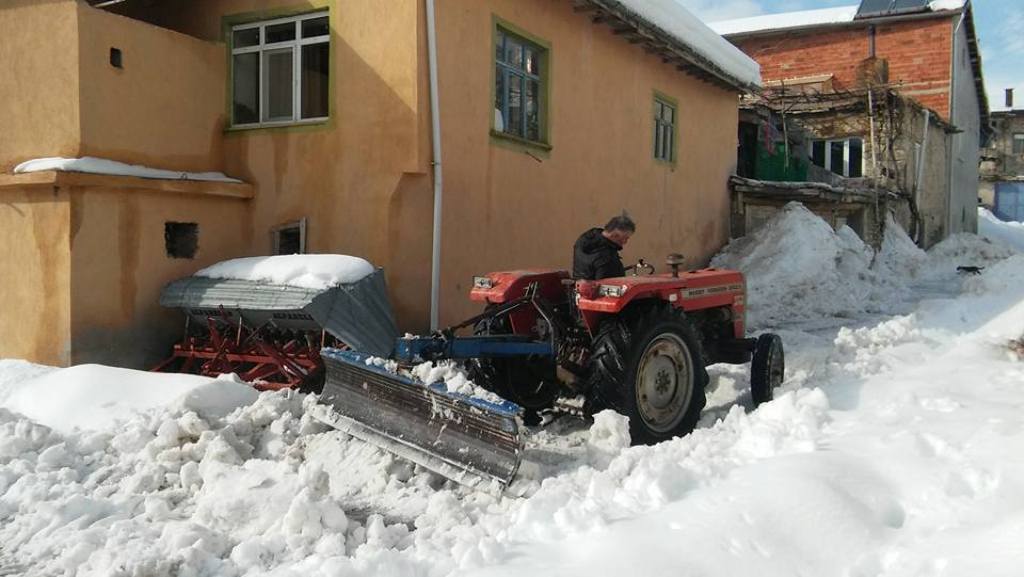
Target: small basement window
(181, 239)
(290, 238)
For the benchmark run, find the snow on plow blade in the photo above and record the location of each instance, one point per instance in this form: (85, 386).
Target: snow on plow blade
(466, 439)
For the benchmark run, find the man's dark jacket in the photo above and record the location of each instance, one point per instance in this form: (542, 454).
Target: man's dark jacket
(594, 257)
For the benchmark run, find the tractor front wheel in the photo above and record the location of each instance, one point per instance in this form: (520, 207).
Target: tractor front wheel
(652, 371)
(767, 368)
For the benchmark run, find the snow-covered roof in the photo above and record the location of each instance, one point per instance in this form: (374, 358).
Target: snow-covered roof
(810, 18)
(666, 21)
(786, 20)
(94, 165)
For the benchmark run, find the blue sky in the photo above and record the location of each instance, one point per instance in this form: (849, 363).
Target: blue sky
(999, 23)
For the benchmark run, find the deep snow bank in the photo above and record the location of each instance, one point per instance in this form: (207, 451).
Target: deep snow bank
(798, 268)
(1010, 234)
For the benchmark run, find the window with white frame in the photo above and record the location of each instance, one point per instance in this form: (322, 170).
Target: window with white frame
(844, 157)
(280, 70)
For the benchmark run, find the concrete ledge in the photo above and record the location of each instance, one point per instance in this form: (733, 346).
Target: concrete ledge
(241, 190)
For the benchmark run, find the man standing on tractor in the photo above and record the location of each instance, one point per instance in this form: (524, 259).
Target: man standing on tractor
(596, 253)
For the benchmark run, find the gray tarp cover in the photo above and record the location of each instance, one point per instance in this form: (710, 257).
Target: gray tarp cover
(358, 313)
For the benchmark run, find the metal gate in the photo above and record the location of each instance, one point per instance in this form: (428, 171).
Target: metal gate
(1009, 203)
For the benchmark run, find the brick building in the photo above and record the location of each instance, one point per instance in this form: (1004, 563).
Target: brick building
(925, 50)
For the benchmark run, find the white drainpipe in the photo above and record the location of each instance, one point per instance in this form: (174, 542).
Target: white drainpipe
(435, 117)
(955, 137)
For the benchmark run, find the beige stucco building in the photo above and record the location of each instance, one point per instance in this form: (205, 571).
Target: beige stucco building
(322, 110)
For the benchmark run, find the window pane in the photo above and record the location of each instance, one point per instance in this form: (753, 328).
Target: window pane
(281, 32)
(316, 27)
(532, 61)
(289, 240)
(514, 53)
(818, 153)
(515, 106)
(277, 84)
(836, 160)
(669, 143)
(532, 110)
(245, 38)
(665, 112)
(499, 99)
(245, 88)
(1018, 143)
(856, 157)
(315, 67)
(499, 46)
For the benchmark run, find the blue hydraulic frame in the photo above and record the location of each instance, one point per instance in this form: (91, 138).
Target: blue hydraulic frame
(428, 348)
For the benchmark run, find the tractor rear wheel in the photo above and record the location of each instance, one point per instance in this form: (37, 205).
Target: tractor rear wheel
(767, 368)
(648, 366)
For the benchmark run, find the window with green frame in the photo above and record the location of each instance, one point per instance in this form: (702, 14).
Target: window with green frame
(519, 78)
(664, 130)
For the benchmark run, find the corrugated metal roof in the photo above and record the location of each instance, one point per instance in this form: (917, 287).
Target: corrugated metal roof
(359, 314)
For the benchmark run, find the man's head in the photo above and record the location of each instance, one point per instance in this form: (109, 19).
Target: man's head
(619, 229)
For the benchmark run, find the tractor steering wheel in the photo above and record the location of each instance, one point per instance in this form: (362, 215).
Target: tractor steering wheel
(641, 265)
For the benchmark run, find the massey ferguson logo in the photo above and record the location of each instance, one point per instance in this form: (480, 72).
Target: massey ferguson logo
(711, 290)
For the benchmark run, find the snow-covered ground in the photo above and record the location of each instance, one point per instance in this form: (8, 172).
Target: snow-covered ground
(895, 448)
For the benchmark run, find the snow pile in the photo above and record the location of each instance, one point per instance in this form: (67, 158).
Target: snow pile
(798, 268)
(1010, 234)
(677, 21)
(312, 271)
(964, 249)
(15, 373)
(608, 437)
(93, 165)
(899, 257)
(54, 397)
(265, 488)
(1001, 277)
(454, 378)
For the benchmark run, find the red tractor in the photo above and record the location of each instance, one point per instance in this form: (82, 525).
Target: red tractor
(637, 344)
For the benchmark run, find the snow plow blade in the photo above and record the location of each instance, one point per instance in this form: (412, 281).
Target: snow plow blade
(468, 440)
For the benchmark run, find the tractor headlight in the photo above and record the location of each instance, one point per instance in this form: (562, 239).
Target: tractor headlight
(611, 290)
(482, 282)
